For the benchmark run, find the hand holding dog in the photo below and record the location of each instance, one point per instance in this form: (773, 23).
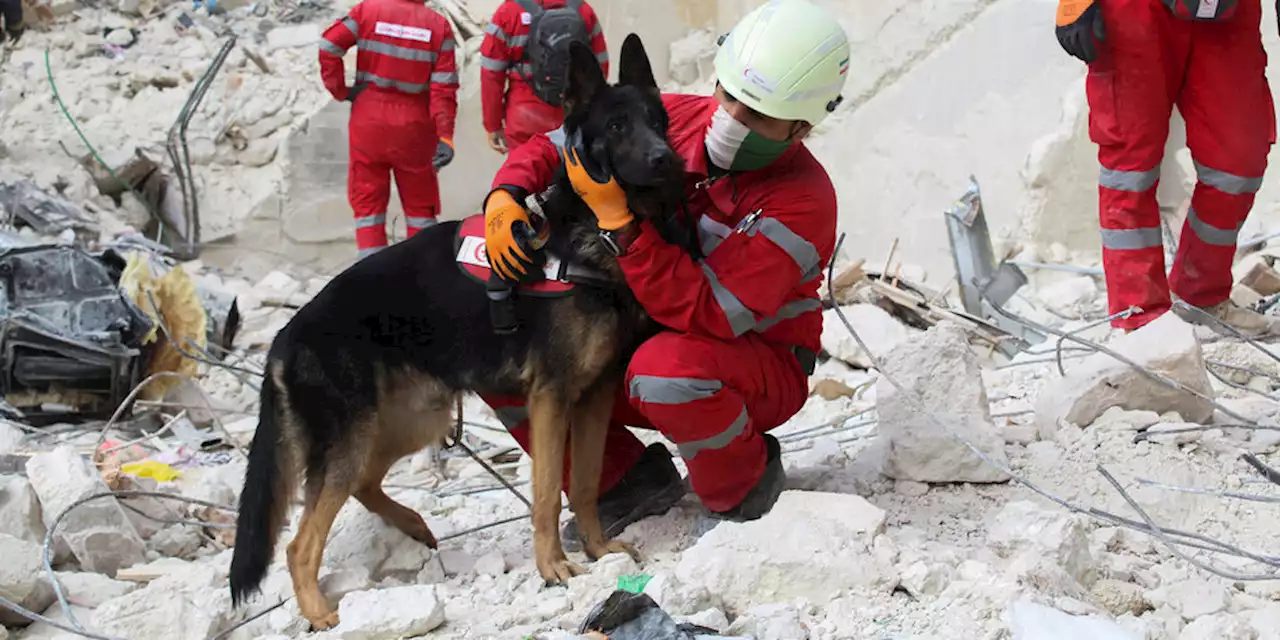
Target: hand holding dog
(606, 199)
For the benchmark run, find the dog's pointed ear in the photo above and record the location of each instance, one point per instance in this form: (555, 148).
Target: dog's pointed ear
(634, 69)
(585, 78)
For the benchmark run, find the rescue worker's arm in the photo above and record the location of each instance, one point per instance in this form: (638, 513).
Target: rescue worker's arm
(495, 57)
(509, 245)
(746, 279)
(335, 41)
(444, 85)
(598, 45)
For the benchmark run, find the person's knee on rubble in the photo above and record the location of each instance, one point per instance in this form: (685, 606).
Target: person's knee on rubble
(403, 108)
(744, 322)
(524, 59)
(1144, 57)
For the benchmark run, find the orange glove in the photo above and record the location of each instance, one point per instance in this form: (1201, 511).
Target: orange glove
(444, 153)
(1079, 28)
(513, 248)
(606, 199)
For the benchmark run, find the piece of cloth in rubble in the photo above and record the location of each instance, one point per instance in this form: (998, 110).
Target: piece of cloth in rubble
(635, 616)
(406, 63)
(508, 102)
(726, 371)
(1214, 73)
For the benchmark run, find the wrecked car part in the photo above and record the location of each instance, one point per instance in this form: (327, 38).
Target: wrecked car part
(48, 215)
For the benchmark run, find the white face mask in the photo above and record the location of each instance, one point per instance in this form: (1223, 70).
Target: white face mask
(733, 146)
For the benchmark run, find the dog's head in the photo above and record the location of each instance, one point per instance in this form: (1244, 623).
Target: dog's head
(621, 128)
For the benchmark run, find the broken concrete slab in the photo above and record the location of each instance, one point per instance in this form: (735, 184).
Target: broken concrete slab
(828, 536)
(87, 589)
(97, 532)
(1167, 346)
(873, 324)
(20, 510)
(941, 375)
(22, 578)
(1024, 527)
(1032, 621)
(388, 614)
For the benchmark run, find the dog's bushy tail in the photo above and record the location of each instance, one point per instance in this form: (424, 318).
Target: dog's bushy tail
(268, 485)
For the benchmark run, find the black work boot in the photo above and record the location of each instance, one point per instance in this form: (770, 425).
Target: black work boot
(760, 499)
(650, 488)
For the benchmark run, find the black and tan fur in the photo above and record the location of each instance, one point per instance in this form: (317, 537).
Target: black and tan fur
(368, 371)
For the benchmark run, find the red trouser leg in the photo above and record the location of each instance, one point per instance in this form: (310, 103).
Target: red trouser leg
(368, 176)
(622, 449)
(714, 399)
(415, 175)
(1131, 89)
(1230, 116)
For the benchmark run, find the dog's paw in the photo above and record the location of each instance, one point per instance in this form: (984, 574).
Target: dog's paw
(559, 571)
(597, 551)
(324, 622)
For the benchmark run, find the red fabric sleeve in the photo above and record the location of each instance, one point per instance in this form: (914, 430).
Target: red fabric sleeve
(495, 57)
(335, 41)
(747, 278)
(444, 84)
(598, 45)
(530, 166)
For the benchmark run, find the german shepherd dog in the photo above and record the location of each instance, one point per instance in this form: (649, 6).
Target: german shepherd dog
(369, 370)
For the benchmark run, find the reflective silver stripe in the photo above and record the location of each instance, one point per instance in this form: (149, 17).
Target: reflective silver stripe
(557, 136)
(511, 417)
(603, 56)
(1210, 234)
(497, 32)
(331, 48)
(789, 311)
(711, 233)
(660, 390)
(364, 222)
(719, 441)
(419, 222)
(739, 316)
(396, 51)
(595, 31)
(407, 87)
(368, 251)
(492, 65)
(1124, 239)
(1136, 181)
(351, 25)
(524, 69)
(1227, 182)
(444, 78)
(448, 45)
(801, 251)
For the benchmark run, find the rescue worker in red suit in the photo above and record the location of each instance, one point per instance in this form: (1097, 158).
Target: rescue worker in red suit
(403, 107)
(1144, 57)
(512, 113)
(745, 322)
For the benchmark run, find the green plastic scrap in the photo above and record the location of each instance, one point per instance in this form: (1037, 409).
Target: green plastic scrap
(634, 583)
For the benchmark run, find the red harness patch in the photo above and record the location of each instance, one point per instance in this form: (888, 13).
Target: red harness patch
(471, 258)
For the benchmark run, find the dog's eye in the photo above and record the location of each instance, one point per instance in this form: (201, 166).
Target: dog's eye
(616, 126)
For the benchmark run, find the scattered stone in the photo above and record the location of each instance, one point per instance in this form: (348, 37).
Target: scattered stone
(770, 622)
(1218, 627)
(910, 488)
(674, 596)
(1025, 528)
(1032, 621)
(335, 585)
(873, 324)
(828, 538)
(1117, 419)
(302, 35)
(399, 612)
(20, 510)
(167, 608)
(1070, 298)
(22, 578)
(259, 153)
(1119, 598)
(1020, 434)
(830, 390)
(98, 532)
(941, 375)
(120, 37)
(491, 564)
(923, 579)
(712, 618)
(90, 590)
(1192, 598)
(1167, 345)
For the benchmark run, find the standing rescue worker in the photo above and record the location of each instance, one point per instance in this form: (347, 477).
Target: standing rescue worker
(1206, 57)
(403, 107)
(745, 322)
(510, 97)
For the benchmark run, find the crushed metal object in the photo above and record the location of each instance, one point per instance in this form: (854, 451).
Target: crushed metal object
(27, 205)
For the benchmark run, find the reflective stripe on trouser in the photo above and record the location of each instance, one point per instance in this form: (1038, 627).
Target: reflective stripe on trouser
(713, 399)
(622, 449)
(391, 133)
(1214, 73)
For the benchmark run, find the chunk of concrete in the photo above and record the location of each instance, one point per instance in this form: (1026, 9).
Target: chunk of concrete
(811, 545)
(941, 375)
(1167, 346)
(1191, 598)
(22, 578)
(874, 325)
(98, 532)
(86, 589)
(1024, 527)
(20, 510)
(1031, 621)
(189, 602)
(387, 614)
(11, 438)
(1218, 627)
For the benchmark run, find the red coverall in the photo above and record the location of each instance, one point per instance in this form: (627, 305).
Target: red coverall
(505, 96)
(406, 59)
(726, 371)
(1150, 61)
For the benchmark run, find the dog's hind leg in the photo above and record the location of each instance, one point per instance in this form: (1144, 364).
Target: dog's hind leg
(325, 496)
(549, 425)
(590, 430)
(371, 495)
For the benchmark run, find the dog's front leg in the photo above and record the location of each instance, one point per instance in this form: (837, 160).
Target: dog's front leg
(590, 432)
(549, 423)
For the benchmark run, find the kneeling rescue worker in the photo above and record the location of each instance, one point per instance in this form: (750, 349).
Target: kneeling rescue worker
(1145, 56)
(744, 324)
(402, 121)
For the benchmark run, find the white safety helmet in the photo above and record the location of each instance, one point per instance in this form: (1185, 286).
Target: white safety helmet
(787, 59)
